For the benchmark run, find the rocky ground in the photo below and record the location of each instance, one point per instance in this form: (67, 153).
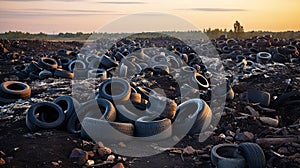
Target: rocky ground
(239, 123)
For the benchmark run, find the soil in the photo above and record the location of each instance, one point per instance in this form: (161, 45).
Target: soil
(25, 149)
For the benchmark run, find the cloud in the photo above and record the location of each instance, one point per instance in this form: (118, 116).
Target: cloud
(122, 2)
(40, 0)
(215, 9)
(68, 10)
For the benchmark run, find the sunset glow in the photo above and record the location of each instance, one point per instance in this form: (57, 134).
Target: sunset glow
(54, 16)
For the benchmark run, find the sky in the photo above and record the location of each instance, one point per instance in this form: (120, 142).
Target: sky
(54, 16)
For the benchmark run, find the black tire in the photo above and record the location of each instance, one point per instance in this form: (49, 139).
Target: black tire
(34, 76)
(33, 67)
(107, 131)
(77, 64)
(162, 106)
(128, 113)
(153, 130)
(145, 92)
(15, 90)
(115, 90)
(200, 80)
(33, 122)
(293, 95)
(97, 73)
(227, 155)
(60, 73)
(94, 109)
(68, 104)
(6, 101)
(45, 74)
(107, 62)
(253, 154)
(256, 96)
(47, 63)
(192, 116)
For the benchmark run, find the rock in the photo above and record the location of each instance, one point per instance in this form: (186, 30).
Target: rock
(245, 136)
(91, 153)
(253, 112)
(79, 155)
(222, 136)
(90, 163)
(111, 158)
(55, 163)
(2, 162)
(283, 150)
(104, 151)
(118, 165)
(229, 133)
(269, 121)
(98, 146)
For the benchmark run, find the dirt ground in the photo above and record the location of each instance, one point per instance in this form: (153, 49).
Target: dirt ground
(24, 149)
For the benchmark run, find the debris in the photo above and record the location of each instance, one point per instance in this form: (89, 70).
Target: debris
(245, 136)
(253, 112)
(2, 162)
(269, 121)
(90, 163)
(118, 165)
(79, 155)
(110, 158)
(104, 151)
(274, 141)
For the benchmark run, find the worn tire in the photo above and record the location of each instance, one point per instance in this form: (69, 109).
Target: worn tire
(15, 90)
(77, 64)
(194, 111)
(34, 123)
(253, 154)
(60, 73)
(33, 67)
(68, 104)
(97, 73)
(121, 90)
(45, 74)
(47, 63)
(153, 130)
(107, 131)
(227, 156)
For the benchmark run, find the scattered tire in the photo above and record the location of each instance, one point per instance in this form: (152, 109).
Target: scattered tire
(45, 74)
(263, 57)
(192, 116)
(115, 90)
(153, 130)
(102, 130)
(33, 67)
(15, 90)
(33, 122)
(67, 104)
(253, 155)
(77, 64)
(47, 63)
(60, 73)
(227, 156)
(97, 73)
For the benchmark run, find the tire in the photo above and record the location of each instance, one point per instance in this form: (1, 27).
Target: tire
(67, 104)
(253, 155)
(123, 70)
(162, 69)
(34, 76)
(263, 57)
(153, 130)
(77, 64)
(162, 106)
(293, 95)
(47, 63)
(128, 113)
(227, 156)
(65, 63)
(6, 101)
(192, 116)
(33, 67)
(45, 74)
(15, 90)
(97, 73)
(60, 73)
(34, 123)
(121, 90)
(158, 59)
(107, 131)
(200, 80)
(107, 62)
(145, 92)
(92, 109)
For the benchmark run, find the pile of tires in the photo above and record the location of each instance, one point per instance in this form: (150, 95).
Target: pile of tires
(11, 91)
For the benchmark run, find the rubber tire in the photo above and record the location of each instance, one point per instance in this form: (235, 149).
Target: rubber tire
(97, 73)
(23, 93)
(60, 73)
(85, 111)
(33, 67)
(123, 96)
(227, 156)
(108, 62)
(200, 116)
(153, 130)
(71, 67)
(68, 104)
(6, 101)
(47, 63)
(33, 123)
(109, 131)
(256, 96)
(253, 154)
(45, 74)
(128, 113)
(156, 104)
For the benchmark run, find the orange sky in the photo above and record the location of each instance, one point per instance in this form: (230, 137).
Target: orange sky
(54, 16)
